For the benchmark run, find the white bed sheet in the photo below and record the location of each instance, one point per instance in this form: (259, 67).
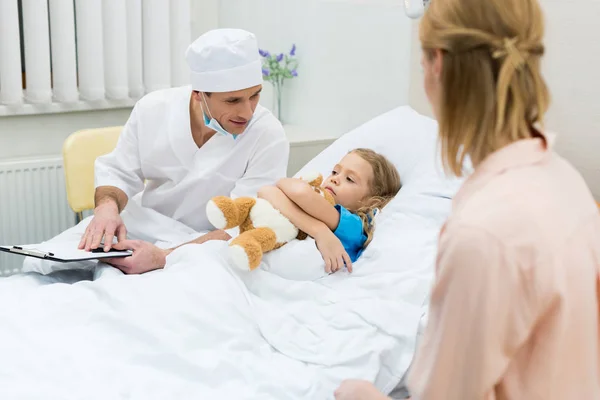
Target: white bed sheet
(202, 330)
(199, 329)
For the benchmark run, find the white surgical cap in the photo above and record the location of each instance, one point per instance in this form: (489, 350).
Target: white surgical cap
(224, 60)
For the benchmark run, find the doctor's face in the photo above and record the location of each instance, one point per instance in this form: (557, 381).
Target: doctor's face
(233, 110)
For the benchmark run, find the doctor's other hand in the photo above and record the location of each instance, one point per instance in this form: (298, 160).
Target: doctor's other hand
(146, 257)
(332, 251)
(354, 389)
(107, 224)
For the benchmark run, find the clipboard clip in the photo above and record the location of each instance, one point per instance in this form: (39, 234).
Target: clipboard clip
(31, 252)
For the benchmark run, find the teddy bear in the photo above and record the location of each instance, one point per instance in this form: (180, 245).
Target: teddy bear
(262, 227)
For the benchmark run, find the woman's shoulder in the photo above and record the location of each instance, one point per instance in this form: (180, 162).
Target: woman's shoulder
(533, 210)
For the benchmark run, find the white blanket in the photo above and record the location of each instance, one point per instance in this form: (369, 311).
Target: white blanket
(200, 330)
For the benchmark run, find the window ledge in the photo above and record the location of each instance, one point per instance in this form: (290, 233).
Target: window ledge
(52, 108)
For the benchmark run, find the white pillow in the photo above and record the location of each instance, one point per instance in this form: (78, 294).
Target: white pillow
(409, 140)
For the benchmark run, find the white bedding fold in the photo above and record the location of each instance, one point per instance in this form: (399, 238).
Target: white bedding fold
(198, 329)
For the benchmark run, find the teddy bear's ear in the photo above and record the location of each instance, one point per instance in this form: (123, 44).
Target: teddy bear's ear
(317, 181)
(310, 177)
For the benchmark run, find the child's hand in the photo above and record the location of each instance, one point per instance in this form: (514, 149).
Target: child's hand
(332, 251)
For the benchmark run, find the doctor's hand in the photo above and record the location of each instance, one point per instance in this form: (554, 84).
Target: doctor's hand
(107, 224)
(146, 257)
(332, 251)
(354, 389)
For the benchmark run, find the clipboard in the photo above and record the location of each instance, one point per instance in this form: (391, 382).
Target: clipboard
(63, 252)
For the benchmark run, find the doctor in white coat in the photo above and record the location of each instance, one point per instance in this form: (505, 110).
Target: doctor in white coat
(183, 146)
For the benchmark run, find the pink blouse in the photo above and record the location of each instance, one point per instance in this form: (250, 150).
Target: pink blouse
(514, 311)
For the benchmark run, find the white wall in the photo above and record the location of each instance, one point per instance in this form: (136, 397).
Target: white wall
(32, 136)
(204, 16)
(571, 66)
(352, 54)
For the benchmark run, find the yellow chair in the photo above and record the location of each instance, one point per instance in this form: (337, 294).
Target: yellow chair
(80, 151)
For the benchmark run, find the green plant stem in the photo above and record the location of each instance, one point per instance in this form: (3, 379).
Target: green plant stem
(278, 90)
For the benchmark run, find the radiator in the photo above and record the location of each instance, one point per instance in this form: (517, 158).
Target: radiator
(33, 205)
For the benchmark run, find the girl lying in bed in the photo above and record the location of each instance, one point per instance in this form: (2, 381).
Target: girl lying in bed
(361, 183)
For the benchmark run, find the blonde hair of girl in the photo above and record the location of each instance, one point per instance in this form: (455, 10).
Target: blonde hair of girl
(384, 186)
(493, 92)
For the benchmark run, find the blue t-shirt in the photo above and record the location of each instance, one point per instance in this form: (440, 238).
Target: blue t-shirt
(350, 232)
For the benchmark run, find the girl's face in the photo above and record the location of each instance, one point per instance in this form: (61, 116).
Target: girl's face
(431, 61)
(350, 181)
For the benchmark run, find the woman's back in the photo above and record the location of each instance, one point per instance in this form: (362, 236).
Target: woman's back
(514, 310)
(531, 285)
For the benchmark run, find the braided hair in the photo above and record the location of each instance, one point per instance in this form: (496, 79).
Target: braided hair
(384, 186)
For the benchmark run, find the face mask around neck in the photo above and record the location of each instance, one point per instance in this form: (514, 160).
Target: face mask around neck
(213, 124)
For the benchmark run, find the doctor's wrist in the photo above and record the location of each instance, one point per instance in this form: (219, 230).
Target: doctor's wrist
(107, 205)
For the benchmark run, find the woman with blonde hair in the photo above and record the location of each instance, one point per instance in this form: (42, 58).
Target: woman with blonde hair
(514, 310)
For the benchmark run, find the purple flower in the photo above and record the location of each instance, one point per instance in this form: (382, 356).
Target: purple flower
(263, 53)
(280, 57)
(266, 72)
(293, 51)
(293, 72)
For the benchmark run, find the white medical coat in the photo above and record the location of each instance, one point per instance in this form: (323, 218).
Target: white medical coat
(156, 146)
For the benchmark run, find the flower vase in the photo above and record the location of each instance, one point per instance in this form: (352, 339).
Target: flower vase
(277, 101)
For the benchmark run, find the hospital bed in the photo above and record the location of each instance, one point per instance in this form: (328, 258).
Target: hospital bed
(198, 329)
